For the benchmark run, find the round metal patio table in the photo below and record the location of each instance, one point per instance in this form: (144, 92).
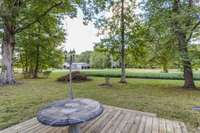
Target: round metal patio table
(196, 108)
(70, 112)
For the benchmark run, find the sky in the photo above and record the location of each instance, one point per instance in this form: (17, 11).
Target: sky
(79, 37)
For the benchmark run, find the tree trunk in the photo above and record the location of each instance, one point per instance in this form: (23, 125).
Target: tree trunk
(123, 67)
(164, 64)
(182, 43)
(107, 81)
(188, 75)
(7, 74)
(26, 62)
(35, 74)
(187, 67)
(164, 67)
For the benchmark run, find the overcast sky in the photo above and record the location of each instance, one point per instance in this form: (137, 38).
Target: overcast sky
(80, 37)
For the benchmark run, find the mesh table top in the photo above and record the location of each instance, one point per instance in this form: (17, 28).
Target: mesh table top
(69, 112)
(197, 108)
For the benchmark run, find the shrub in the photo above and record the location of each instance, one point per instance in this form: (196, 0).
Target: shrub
(144, 75)
(46, 73)
(76, 76)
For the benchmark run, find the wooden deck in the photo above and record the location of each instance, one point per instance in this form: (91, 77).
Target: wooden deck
(113, 120)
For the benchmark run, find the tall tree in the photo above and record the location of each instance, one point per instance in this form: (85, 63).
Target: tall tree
(38, 46)
(181, 19)
(182, 38)
(116, 29)
(84, 57)
(17, 16)
(160, 44)
(123, 65)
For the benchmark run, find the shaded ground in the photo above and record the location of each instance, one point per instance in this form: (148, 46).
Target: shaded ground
(164, 97)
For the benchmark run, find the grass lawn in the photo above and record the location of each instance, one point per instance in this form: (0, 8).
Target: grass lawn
(164, 97)
(139, 73)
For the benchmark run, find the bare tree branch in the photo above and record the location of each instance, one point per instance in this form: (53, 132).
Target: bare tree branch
(20, 29)
(192, 31)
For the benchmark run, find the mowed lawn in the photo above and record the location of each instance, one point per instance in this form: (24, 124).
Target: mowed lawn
(166, 98)
(174, 74)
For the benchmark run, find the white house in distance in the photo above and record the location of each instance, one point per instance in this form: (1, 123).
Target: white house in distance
(77, 66)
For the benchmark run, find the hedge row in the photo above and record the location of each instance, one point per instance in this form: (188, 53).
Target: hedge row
(145, 75)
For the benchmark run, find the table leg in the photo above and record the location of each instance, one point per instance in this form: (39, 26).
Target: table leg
(74, 129)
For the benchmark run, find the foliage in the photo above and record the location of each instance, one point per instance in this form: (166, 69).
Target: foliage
(99, 60)
(84, 57)
(47, 73)
(41, 43)
(18, 16)
(195, 55)
(110, 32)
(161, 46)
(177, 21)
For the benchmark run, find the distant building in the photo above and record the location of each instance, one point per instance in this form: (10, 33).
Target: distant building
(77, 66)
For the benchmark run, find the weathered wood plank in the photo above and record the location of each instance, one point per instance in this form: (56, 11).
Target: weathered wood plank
(21, 126)
(113, 120)
(148, 125)
(31, 128)
(110, 123)
(58, 130)
(176, 127)
(122, 126)
(98, 123)
(169, 127)
(133, 111)
(86, 125)
(116, 124)
(129, 123)
(41, 129)
(162, 128)
(142, 125)
(136, 124)
(46, 130)
(183, 127)
(155, 126)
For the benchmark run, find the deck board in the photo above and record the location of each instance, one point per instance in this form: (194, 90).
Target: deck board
(162, 126)
(129, 123)
(148, 125)
(136, 124)
(116, 125)
(113, 120)
(169, 127)
(155, 126)
(123, 123)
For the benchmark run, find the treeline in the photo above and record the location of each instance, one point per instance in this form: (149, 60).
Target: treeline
(153, 33)
(31, 33)
(150, 60)
(150, 34)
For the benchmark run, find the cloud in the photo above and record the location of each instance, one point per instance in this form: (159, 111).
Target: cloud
(79, 36)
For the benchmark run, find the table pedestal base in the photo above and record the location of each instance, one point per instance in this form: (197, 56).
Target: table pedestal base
(74, 129)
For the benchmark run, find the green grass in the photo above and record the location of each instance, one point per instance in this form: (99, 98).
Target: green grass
(166, 98)
(138, 73)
